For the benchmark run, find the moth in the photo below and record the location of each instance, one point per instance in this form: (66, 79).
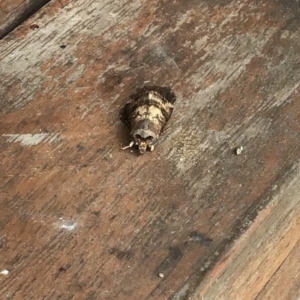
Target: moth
(146, 114)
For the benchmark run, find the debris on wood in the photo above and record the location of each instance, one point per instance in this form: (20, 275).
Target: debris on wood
(4, 272)
(239, 150)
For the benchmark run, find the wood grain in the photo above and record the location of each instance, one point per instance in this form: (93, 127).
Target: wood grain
(245, 271)
(81, 219)
(14, 12)
(285, 281)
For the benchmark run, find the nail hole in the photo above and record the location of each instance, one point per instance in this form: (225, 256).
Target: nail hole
(62, 269)
(34, 27)
(63, 46)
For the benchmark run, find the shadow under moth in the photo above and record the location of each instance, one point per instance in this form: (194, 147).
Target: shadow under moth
(146, 114)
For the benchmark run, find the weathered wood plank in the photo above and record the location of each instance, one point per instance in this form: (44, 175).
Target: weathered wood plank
(14, 12)
(259, 253)
(95, 222)
(285, 281)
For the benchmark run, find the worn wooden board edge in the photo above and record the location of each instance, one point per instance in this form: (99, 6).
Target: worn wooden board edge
(19, 13)
(285, 282)
(251, 260)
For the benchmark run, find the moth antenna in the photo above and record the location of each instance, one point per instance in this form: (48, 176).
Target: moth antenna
(126, 147)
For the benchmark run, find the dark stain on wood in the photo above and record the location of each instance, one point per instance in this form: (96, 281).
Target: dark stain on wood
(119, 254)
(169, 262)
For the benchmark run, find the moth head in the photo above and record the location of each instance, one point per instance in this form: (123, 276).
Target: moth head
(142, 147)
(144, 139)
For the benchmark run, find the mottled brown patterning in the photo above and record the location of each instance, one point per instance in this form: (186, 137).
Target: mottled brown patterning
(146, 115)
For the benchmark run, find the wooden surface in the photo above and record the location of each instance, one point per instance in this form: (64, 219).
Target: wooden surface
(14, 12)
(254, 267)
(81, 219)
(285, 282)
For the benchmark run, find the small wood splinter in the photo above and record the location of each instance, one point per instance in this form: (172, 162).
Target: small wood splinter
(146, 115)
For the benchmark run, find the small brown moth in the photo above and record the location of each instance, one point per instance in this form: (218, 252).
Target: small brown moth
(146, 115)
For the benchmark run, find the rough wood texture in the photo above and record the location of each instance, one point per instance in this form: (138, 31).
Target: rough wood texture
(285, 282)
(14, 12)
(245, 270)
(81, 219)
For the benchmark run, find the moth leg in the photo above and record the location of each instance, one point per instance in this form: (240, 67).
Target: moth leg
(129, 146)
(151, 148)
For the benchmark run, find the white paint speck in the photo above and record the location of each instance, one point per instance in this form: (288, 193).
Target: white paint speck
(33, 139)
(68, 225)
(4, 272)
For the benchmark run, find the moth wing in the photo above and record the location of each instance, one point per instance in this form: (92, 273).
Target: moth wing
(125, 113)
(165, 92)
(131, 105)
